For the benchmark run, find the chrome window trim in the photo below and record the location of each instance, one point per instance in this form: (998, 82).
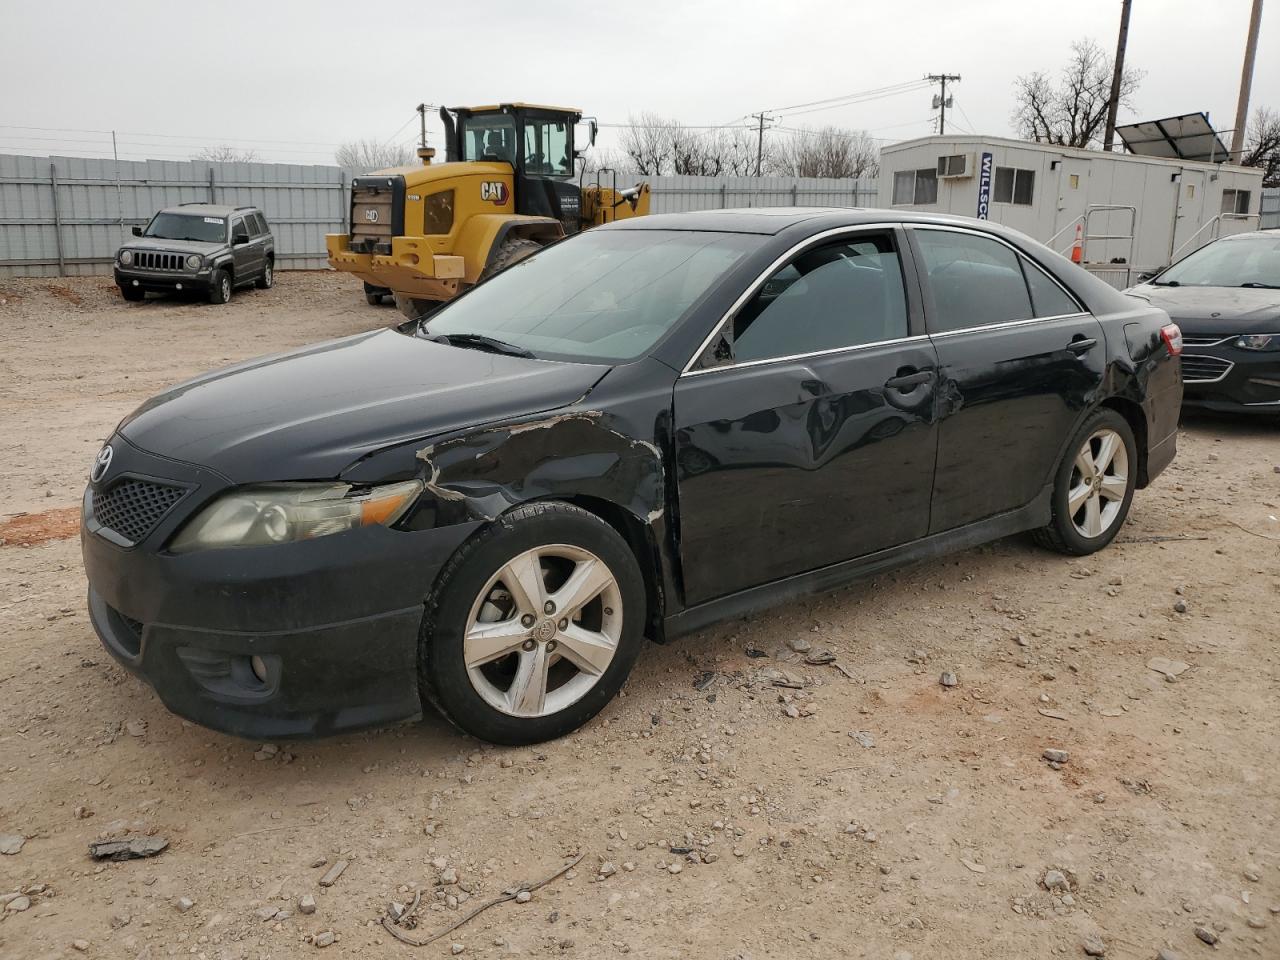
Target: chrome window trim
(1008, 323)
(803, 356)
(1230, 366)
(759, 281)
(1016, 252)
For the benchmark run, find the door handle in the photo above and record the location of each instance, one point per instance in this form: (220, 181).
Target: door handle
(909, 381)
(1081, 345)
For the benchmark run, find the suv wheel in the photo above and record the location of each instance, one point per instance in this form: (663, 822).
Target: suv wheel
(1094, 486)
(220, 286)
(533, 625)
(133, 294)
(268, 278)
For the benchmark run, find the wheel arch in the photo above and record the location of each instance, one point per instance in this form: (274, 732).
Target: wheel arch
(1134, 415)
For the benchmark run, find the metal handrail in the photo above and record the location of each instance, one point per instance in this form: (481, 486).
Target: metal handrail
(1216, 224)
(1083, 219)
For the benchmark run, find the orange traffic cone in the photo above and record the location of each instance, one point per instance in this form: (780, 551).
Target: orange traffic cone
(1077, 248)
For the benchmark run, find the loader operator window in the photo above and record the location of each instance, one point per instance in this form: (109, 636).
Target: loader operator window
(546, 148)
(489, 138)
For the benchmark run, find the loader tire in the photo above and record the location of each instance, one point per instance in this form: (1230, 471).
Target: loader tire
(510, 253)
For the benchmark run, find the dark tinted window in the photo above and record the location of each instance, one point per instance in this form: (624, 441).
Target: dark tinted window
(238, 225)
(1014, 185)
(1048, 299)
(260, 224)
(974, 280)
(839, 295)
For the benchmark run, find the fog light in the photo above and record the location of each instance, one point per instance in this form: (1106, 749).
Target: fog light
(135, 283)
(259, 668)
(179, 286)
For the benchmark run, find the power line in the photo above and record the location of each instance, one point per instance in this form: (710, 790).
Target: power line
(875, 93)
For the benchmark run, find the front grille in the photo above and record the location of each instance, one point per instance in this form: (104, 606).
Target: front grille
(151, 260)
(1190, 341)
(1199, 369)
(132, 508)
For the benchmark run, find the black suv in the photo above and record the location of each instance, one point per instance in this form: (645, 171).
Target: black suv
(204, 247)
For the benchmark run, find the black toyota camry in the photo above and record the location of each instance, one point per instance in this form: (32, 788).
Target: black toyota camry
(1226, 299)
(633, 433)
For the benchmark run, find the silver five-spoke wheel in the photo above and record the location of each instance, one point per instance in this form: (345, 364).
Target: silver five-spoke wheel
(543, 630)
(1099, 482)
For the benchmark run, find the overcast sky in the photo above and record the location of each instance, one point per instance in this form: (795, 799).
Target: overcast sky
(292, 79)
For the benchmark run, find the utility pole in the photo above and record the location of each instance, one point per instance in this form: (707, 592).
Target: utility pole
(1246, 82)
(761, 117)
(1118, 76)
(942, 78)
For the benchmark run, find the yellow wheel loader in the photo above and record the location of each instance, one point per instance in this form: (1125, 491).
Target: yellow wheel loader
(508, 187)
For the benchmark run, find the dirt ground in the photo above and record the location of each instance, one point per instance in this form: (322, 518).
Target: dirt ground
(893, 818)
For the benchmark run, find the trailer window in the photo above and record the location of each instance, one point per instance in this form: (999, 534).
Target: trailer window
(1014, 186)
(1235, 201)
(915, 187)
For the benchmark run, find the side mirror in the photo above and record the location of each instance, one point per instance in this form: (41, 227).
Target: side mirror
(1146, 275)
(240, 239)
(137, 231)
(584, 130)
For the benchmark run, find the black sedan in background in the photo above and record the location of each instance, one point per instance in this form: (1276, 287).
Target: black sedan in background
(641, 430)
(1226, 299)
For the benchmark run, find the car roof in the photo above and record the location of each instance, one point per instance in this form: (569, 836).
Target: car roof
(774, 220)
(1270, 234)
(206, 209)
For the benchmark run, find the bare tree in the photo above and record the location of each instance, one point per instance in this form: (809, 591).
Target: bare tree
(1071, 110)
(1262, 145)
(226, 153)
(647, 141)
(828, 152)
(372, 155)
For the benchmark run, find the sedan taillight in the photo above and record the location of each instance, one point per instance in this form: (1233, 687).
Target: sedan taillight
(1171, 334)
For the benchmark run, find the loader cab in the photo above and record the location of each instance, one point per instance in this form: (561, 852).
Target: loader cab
(538, 142)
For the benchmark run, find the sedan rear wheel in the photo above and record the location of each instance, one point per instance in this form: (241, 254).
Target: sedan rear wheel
(533, 625)
(1093, 486)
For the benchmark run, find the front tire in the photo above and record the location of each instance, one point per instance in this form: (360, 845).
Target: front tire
(220, 286)
(1093, 487)
(133, 294)
(533, 625)
(509, 254)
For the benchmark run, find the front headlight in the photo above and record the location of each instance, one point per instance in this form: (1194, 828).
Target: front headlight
(193, 262)
(126, 258)
(1258, 341)
(286, 512)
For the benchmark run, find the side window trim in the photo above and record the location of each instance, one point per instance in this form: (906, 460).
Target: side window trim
(906, 258)
(927, 287)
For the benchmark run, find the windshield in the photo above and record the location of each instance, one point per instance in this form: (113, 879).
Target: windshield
(1228, 263)
(489, 137)
(605, 295)
(187, 226)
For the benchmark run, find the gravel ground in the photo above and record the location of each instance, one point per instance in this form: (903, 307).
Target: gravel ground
(863, 810)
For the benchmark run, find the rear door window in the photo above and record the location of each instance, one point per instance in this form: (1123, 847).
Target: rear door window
(842, 294)
(1047, 298)
(974, 280)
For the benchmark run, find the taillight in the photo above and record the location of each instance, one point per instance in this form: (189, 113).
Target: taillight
(1171, 334)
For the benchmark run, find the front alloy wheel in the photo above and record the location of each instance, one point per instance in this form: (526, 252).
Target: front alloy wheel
(533, 624)
(543, 630)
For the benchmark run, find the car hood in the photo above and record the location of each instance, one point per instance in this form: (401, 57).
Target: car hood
(173, 246)
(1209, 310)
(310, 413)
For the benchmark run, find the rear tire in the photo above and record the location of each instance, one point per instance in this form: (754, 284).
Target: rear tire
(220, 286)
(509, 254)
(268, 278)
(133, 294)
(500, 661)
(1093, 487)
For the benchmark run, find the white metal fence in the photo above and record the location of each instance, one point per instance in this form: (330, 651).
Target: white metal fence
(66, 216)
(1271, 209)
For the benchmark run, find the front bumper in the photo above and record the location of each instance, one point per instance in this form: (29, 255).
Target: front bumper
(162, 281)
(1224, 377)
(334, 620)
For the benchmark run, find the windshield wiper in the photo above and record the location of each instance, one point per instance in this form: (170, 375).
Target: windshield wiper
(479, 341)
(1166, 283)
(1261, 286)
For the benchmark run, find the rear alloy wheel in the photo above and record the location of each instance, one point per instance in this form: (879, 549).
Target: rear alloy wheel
(533, 625)
(1094, 486)
(268, 278)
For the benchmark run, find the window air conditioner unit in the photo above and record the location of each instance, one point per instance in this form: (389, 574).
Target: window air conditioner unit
(955, 166)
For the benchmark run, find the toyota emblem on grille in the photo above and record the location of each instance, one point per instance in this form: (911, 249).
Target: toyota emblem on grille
(101, 464)
(371, 215)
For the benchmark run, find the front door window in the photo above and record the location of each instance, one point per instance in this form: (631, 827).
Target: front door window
(546, 148)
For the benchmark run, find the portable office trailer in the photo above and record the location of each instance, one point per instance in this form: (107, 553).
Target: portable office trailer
(1135, 213)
